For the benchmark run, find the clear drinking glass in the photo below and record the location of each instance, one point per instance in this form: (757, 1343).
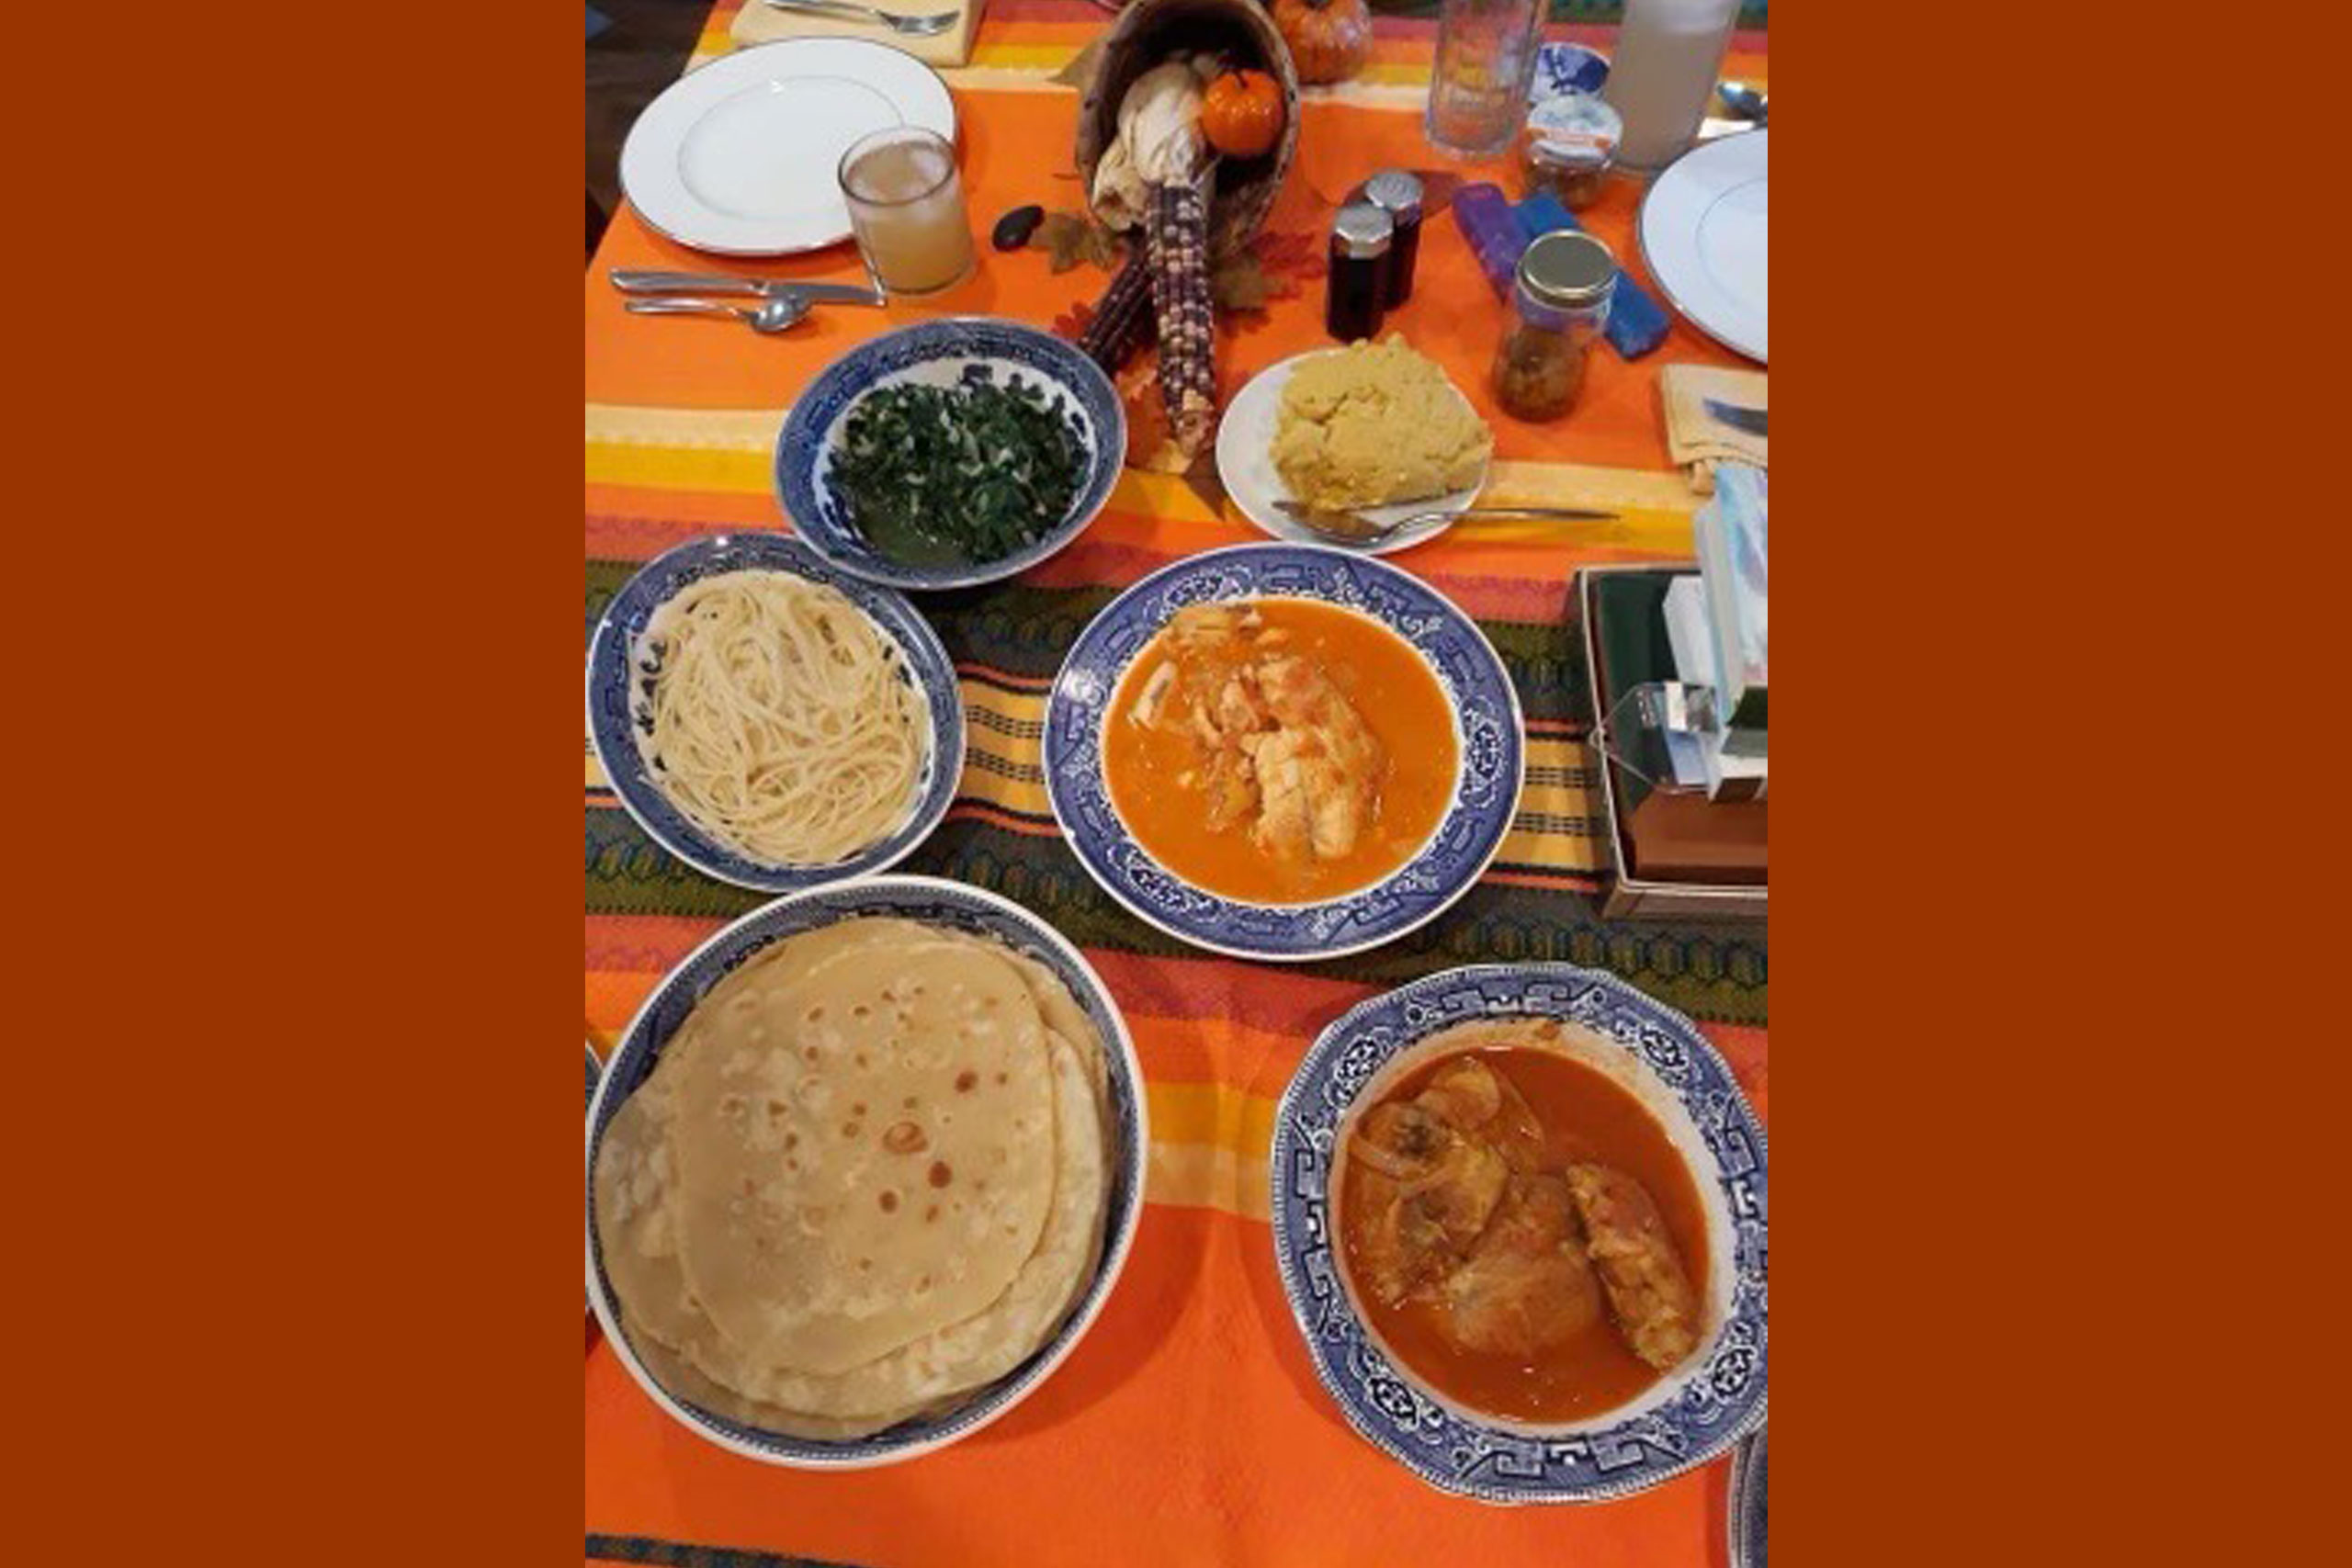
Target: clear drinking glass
(906, 206)
(1485, 53)
(1661, 74)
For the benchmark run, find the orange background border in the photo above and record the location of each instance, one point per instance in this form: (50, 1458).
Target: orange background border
(322, 1010)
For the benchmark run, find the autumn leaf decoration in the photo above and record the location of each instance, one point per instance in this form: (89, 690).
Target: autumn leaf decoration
(1069, 238)
(1271, 266)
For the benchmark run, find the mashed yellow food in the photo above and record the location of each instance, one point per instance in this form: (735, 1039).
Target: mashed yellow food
(1373, 424)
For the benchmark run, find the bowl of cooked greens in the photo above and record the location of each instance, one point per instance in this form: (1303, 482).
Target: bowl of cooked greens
(956, 451)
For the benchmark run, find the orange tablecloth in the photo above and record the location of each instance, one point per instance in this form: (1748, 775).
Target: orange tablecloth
(1188, 1427)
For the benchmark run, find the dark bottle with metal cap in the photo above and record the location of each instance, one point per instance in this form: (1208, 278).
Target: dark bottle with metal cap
(1355, 297)
(1398, 195)
(1559, 305)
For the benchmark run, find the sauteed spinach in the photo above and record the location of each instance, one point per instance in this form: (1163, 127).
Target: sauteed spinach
(963, 474)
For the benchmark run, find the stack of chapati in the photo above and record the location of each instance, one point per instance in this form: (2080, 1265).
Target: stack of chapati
(865, 1177)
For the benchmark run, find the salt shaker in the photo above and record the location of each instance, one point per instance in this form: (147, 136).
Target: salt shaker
(1399, 194)
(1356, 292)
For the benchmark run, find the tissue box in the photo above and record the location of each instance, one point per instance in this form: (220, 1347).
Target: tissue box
(1672, 855)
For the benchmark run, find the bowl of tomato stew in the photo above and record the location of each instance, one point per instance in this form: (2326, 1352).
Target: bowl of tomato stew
(1518, 1212)
(1284, 752)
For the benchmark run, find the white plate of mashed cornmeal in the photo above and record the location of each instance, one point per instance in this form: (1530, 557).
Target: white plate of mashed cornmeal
(1374, 428)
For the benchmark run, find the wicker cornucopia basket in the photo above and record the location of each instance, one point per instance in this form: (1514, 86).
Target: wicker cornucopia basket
(1148, 32)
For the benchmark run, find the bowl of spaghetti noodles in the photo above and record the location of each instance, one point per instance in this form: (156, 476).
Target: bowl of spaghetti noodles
(769, 719)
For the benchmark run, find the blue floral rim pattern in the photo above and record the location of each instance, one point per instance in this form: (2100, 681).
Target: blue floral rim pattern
(936, 903)
(923, 661)
(804, 444)
(1710, 1405)
(1477, 690)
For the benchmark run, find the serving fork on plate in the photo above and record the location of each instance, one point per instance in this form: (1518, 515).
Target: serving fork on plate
(923, 26)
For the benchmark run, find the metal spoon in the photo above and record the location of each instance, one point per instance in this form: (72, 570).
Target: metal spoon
(1355, 528)
(1744, 101)
(768, 316)
(897, 22)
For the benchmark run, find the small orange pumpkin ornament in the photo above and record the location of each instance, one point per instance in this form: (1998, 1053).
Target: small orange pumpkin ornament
(1241, 114)
(1329, 40)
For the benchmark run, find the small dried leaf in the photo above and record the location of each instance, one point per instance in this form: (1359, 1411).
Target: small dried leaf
(1071, 323)
(1069, 238)
(1101, 246)
(1241, 283)
(1296, 253)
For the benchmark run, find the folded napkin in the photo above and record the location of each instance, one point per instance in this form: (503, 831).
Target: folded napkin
(1695, 440)
(757, 23)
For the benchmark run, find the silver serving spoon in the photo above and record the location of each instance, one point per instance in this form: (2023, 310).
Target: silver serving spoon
(897, 22)
(1744, 101)
(1355, 528)
(767, 316)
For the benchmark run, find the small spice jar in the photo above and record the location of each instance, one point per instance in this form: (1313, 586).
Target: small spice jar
(1356, 293)
(1399, 194)
(1559, 305)
(1569, 146)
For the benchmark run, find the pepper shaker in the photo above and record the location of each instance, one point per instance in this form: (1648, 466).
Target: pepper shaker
(1399, 194)
(1356, 290)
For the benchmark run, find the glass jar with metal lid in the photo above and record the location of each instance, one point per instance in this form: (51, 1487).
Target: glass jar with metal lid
(1559, 305)
(1568, 147)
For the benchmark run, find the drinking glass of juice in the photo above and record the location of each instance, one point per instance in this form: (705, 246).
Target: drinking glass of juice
(906, 206)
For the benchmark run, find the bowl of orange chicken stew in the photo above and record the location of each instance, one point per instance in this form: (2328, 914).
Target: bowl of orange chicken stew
(1519, 1215)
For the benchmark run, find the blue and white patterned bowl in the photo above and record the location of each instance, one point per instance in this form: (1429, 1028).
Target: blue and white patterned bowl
(923, 660)
(1687, 1417)
(1477, 690)
(933, 902)
(937, 352)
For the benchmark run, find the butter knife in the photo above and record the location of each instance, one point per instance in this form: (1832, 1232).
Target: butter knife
(638, 280)
(1748, 422)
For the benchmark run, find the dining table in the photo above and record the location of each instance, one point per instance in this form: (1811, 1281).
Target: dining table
(1188, 1426)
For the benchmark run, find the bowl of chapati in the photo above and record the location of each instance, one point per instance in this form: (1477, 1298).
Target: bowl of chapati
(862, 1171)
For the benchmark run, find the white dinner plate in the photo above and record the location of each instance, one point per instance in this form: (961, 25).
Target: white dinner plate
(1703, 236)
(740, 157)
(1245, 463)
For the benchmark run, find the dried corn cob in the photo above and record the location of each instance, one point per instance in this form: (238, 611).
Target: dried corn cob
(1176, 233)
(1122, 318)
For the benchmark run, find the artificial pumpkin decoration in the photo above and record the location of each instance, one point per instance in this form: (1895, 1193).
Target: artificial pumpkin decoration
(1241, 114)
(1329, 40)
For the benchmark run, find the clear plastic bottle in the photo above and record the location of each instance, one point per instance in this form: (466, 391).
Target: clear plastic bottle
(1661, 74)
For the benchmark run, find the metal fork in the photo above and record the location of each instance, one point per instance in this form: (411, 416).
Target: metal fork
(1354, 528)
(897, 22)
